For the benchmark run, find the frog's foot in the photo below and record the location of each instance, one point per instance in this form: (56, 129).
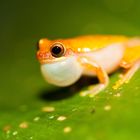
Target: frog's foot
(93, 90)
(128, 75)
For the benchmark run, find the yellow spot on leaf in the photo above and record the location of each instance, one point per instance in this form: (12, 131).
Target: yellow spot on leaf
(107, 107)
(61, 118)
(15, 133)
(67, 129)
(6, 128)
(48, 109)
(23, 125)
(36, 119)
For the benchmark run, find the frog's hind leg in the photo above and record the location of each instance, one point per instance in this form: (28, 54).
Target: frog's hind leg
(130, 71)
(130, 61)
(101, 74)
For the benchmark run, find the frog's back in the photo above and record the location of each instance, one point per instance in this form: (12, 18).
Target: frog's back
(92, 43)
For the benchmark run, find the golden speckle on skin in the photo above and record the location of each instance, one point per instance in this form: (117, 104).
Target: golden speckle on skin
(23, 125)
(107, 107)
(36, 119)
(15, 133)
(67, 129)
(48, 109)
(61, 118)
(6, 128)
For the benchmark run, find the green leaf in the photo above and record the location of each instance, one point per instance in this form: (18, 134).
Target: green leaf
(111, 115)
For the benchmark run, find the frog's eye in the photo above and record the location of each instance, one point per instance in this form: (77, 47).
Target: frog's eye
(57, 50)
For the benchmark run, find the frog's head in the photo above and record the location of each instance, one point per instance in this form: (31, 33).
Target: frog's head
(59, 64)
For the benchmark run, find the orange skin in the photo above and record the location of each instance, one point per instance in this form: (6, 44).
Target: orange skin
(85, 44)
(81, 44)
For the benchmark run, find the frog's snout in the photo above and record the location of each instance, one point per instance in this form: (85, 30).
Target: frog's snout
(42, 56)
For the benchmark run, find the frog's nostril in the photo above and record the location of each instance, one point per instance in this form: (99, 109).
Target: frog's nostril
(42, 55)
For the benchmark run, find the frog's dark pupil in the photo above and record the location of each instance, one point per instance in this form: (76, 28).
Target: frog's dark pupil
(56, 50)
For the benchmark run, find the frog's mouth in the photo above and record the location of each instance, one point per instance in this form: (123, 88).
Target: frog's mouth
(62, 73)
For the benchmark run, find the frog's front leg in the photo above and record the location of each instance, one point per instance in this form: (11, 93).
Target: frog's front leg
(101, 75)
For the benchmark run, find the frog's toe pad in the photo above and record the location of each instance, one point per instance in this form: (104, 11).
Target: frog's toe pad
(93, 90)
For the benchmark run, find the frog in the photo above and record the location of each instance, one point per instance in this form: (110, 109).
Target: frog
(63, 61)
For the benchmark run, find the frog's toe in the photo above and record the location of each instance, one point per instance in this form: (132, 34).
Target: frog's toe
(128, 75)
(93, 90)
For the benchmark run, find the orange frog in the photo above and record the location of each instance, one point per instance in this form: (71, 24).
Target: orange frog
(63, 61)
